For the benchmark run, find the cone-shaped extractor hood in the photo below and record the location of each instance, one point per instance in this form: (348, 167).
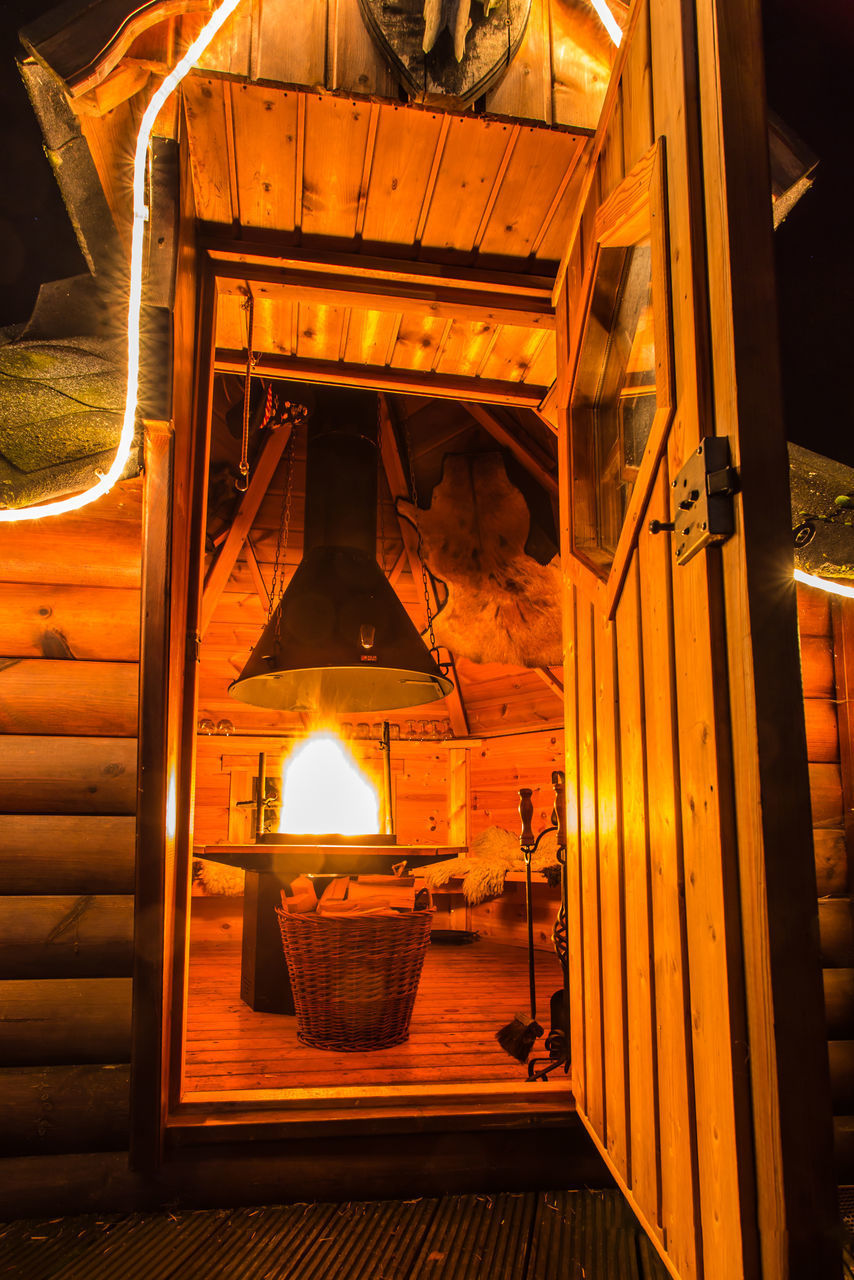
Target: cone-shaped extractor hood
(340, 640)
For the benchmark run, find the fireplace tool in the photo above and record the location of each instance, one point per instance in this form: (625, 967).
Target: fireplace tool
(557, 1041)
(519, 1036)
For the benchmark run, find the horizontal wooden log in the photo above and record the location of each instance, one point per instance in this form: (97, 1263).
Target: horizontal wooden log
(63, 1109)
(836, 933)
(67, 697)
(826, 795)
(67, 775)
(83, 936)
(817, 667)
(813, 611)
(839, 1003)
(77, 550)
(53, 1020)
(831, 861)
(841, 1059)
(53, 620)
(822, 730)
(66, 853)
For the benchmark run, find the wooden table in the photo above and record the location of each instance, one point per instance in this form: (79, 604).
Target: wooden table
(265, 984)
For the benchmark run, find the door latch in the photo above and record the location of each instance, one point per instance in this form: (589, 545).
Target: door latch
(702, 500)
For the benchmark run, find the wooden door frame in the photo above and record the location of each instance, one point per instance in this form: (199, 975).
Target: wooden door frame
(178, 490)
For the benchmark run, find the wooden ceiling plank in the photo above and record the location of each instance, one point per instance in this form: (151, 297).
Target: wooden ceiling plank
(205, 110)
(543, 367)
(265, 126)
(506, 433)
(471, 159)
(370, 150)
(220, 570)
(400, 381)
(221, 247)
(534, 174)
(432, 179)
(442, 301)
(336, 135)
(319, 336)
(465, 347)
(442, 344)
(405, 151)
(399, 488)
(299, 162)
(558, 197)
(515, 134)
(393, 336)
(511, 354)
(417, 342)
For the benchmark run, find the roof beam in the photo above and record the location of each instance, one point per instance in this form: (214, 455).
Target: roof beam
(534, 460)
(448, 301)
(356, 266)
(382, 378)
(396, 476)
(221, 569)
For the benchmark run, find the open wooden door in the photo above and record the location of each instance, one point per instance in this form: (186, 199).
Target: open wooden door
(698, 1049)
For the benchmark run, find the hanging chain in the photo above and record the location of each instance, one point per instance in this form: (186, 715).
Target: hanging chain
(242, 481)
(380, 495)
(414, 493)
(277, 588)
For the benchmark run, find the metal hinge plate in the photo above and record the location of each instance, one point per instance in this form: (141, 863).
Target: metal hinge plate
(702, 499)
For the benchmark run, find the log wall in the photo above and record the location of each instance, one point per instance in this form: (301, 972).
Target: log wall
(69, 640)
(827, 630)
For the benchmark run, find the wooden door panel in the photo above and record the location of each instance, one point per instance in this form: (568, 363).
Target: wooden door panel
(681, 1049)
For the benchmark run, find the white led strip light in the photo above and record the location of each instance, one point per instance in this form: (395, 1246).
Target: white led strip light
(140, 217)
(835, 588)
(608, 21)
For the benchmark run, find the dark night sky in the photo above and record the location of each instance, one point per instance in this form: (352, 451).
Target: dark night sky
(809, 61)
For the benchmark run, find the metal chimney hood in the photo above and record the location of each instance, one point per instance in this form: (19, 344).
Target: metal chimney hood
(340, 640)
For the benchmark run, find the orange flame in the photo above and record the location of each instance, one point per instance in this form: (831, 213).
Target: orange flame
(325, 792)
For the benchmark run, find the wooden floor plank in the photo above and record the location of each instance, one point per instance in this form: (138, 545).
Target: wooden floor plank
(466, 994)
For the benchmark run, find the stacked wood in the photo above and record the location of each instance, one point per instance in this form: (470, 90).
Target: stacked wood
(357, 896)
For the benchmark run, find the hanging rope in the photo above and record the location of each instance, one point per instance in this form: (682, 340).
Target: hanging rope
(242, 481)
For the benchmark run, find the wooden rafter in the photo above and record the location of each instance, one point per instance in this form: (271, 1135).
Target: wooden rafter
(256, 574)
(396, 477)
(382, 378)
(502, 429)
(221, 569)
(447, 300)
(548, 677)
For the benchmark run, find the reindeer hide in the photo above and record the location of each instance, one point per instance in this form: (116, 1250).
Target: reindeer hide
(502, 605)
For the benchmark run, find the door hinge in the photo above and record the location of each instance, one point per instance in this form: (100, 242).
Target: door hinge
(703, 491)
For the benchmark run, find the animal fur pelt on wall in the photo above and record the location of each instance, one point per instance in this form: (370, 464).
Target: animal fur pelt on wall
(502, 606)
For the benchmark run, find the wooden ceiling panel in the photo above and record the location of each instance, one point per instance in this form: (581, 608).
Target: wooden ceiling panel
(319, 331)
(336, 135)
(512, 353)
(418, 341)
(230, 321)
(370, 336)
(208, 131)
(539, 170)
(466, 347)
(472, 159)
(404, 168)
(265, 131)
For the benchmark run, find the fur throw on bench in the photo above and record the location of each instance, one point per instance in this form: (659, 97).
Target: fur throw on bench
(491, 855)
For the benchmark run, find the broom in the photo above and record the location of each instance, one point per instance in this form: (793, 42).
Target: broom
(519, 1036)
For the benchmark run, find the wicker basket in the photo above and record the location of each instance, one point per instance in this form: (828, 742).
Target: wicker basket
(354, 978)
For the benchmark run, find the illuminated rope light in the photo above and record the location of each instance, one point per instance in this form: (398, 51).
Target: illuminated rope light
(835, 588)
(609, 22)
(140, 217)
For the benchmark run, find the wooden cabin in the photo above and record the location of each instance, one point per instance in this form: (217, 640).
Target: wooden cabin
(547, 280)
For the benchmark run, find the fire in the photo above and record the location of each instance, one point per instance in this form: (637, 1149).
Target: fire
(324, 791)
